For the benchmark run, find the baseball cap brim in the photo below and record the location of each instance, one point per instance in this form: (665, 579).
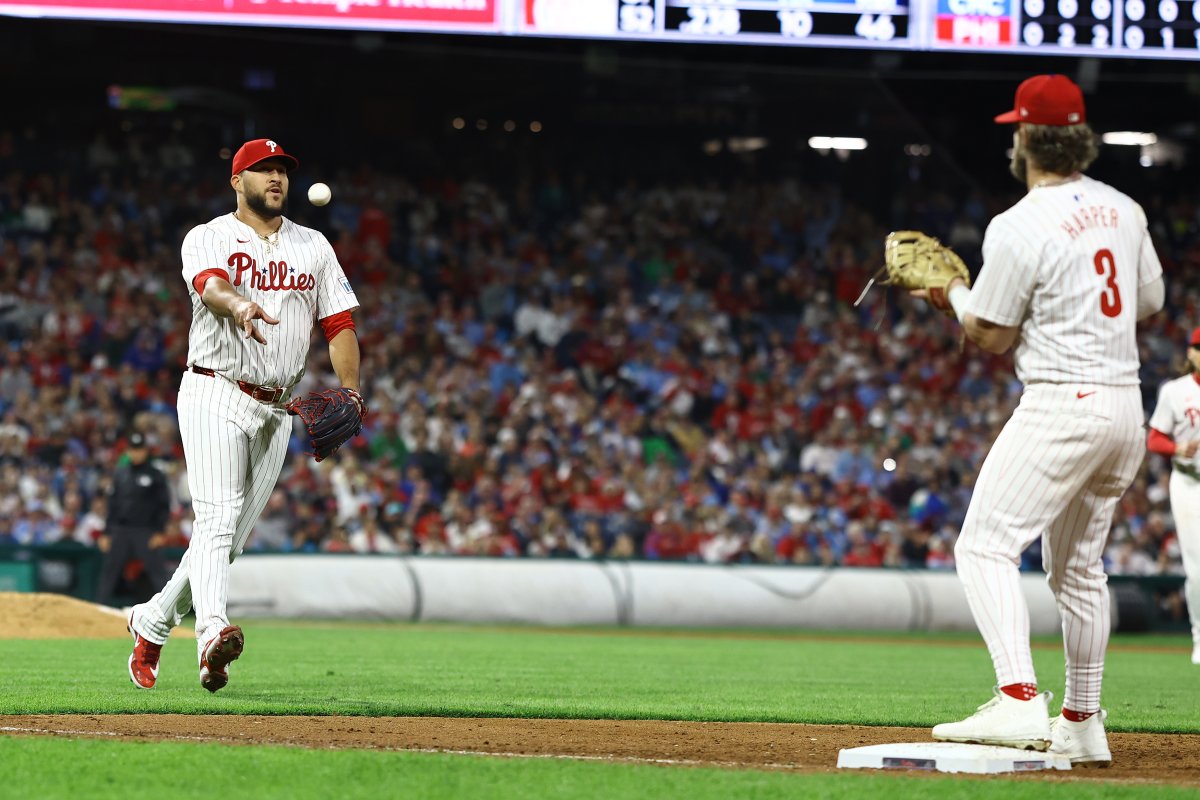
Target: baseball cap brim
(292, 161)
(1008, 117)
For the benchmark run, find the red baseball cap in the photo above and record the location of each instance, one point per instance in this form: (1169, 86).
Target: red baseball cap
(257, 150)
(1047, 100)
(1195, 337)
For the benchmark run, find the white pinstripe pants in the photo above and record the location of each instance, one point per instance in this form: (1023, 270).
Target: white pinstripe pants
(1185, 507)
(1056, 470)
(235, 447)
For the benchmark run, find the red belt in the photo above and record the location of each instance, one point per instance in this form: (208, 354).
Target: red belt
(263, 394)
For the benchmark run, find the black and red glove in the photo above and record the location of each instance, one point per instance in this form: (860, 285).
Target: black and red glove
(332, 418)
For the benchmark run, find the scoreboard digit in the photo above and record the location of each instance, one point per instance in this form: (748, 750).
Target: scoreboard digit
(1136, 28)
(830, 23)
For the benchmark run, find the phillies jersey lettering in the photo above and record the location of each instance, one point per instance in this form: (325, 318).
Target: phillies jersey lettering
(293, 275)
(1085, 248)
(277, 276)
(1177, 412)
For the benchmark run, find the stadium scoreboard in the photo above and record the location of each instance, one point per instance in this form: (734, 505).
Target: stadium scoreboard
(863, 23)
(1137, 28)
(1104, 28)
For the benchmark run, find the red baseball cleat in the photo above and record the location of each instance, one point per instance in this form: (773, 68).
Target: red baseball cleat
(143, 662)
(220, 651)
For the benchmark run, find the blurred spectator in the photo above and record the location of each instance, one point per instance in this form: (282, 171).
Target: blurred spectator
(561, 368)
(139, 507)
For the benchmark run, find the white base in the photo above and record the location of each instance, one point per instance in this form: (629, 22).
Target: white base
(950, 757)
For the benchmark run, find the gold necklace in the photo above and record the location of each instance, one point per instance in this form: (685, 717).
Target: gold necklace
(271, 240)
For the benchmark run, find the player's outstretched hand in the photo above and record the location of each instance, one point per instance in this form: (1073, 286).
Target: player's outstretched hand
(244, 315)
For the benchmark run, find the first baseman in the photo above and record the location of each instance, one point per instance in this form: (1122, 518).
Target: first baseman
(1067, 273)
(258, 281)
(1175, 433)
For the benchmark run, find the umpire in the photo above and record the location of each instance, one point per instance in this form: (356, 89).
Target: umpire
(139, 506)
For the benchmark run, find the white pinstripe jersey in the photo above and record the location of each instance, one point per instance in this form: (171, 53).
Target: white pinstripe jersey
(1065, 265)
(293, 275)
(1177, 413)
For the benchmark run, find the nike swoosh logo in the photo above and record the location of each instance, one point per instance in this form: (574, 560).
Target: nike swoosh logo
(243, 241)
(1082, 395)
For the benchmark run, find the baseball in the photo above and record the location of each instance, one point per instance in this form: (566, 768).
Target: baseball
(319, 194)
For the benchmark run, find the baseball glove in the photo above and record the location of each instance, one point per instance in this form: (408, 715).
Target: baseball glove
(914, 261)
(331, 418)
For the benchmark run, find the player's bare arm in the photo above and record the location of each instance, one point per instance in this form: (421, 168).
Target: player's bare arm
(223, 301)
(988, 335)
(344, 356)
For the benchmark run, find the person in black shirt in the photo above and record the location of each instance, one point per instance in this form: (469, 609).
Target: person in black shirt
(139, 506)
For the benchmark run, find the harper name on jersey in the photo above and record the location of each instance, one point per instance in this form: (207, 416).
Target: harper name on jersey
(293, 274)
(1086, 218)
(1065, 264)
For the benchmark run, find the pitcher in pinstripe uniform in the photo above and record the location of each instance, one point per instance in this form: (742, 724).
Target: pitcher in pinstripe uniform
(258, 282)
(1068, 271)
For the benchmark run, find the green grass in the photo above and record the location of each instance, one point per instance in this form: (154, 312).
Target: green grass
(388, 669)
(103, 770)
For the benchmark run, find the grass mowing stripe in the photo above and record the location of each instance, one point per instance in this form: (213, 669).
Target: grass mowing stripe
(105, 770)
(1166, 643)
(469, 671)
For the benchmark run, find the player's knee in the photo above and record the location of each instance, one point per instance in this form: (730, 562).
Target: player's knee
(1054, 579)
(1075, 581)
(967, 549)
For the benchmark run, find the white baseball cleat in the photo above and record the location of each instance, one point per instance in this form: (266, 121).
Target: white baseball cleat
(1003, 721)
(1085, 743)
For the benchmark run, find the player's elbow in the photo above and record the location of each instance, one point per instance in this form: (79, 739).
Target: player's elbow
(991, 344)
(988, 336)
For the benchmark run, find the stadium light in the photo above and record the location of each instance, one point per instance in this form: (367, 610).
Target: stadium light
(746, 144)
(1129, 138)
(837, 143)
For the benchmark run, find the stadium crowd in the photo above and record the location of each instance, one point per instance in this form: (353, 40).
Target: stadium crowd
(555, 368)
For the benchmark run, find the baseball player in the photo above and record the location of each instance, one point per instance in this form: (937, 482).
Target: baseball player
(257, 281)
(1175, 433)
(1067, 273)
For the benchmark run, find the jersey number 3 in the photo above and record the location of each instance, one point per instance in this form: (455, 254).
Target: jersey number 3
(1110, 298)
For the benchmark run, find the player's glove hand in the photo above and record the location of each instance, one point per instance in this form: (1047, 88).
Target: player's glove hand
(916, 262)
(331, 418)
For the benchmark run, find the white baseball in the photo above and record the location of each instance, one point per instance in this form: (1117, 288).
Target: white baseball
(319, 194)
